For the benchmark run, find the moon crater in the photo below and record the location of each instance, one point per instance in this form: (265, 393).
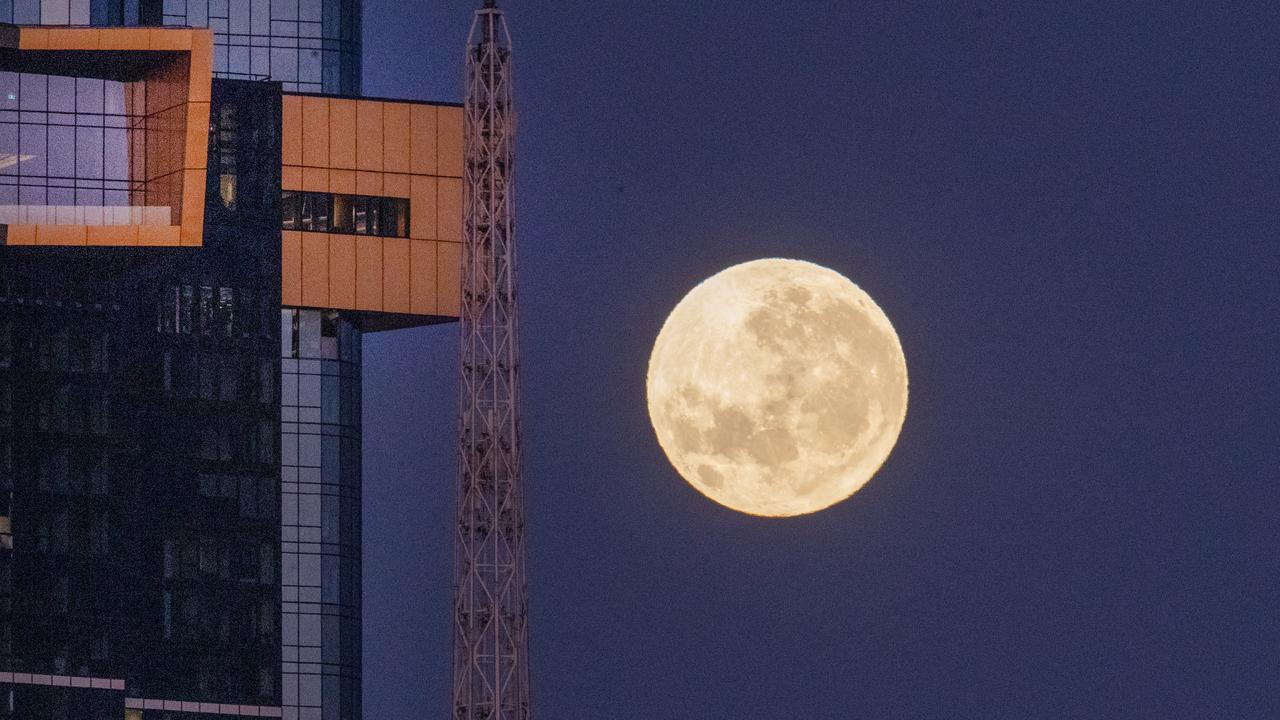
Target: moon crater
(777, 387)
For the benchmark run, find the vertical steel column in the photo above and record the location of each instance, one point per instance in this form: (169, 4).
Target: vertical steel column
(490, 653)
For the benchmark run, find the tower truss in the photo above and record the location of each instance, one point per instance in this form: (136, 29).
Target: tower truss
(490, 637)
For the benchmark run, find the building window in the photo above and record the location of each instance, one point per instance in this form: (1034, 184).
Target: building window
(66, 138)
(347, 214)
(225, 139)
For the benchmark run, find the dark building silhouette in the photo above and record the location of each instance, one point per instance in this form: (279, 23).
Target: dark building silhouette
(190, 254)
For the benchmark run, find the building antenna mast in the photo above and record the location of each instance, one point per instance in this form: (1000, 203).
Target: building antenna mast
(490, 609)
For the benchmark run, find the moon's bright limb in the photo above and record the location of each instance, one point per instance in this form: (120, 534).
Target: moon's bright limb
(777, 387)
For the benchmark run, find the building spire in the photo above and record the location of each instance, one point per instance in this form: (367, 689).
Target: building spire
(490, 635)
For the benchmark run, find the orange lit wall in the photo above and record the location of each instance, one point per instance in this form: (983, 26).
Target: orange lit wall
(381, 148)
(168, 133)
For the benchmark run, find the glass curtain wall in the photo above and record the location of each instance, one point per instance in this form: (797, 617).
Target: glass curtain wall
(320, 456)
(309, 45)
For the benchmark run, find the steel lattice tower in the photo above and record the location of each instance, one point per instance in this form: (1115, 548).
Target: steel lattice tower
(490, 637)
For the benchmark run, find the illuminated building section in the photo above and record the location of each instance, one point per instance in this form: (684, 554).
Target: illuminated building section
(103, 135)
(384, 151)
(370, 240)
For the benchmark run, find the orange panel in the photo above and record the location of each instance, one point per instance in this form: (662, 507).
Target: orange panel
(315, 179)
(175, 76)
(450, 209)
(395, 137)
(315, 131)
(291, 130)
(449, 256)
(192, 216)
(449, 141)
(169, 39)
(315, 269)
(159, 235)
(194, 211)
(369, 135)
(342, 134)
(60, 234)
(342, 181)
(423, 277)
(201, 65)
(73, 39)
(150, 91)
(192, 233)
(342, 271)
(113, 235)
(166, 86)
(422, 207)
(395, 273)
(422, 139)
(291, 177)
(21, 235)
(197, 149)
(369, 274)
(33, 38)
(121, 39)
(193, 181)
(291, 268)
(369, 183)
(166, 140)
(395, 185)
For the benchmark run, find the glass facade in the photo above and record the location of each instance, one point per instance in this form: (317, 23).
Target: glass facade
(309, 45)
(320, 523)
(139, 455)
(345, 214)
(50, 12)
(180, 457)
(63, 142)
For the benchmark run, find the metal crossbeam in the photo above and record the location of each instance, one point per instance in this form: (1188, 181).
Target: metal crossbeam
(490, 637)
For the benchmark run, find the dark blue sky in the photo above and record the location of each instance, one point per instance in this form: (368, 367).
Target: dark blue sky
(1069, 211)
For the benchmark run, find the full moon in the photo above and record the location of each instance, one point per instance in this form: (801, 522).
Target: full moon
(777, 387)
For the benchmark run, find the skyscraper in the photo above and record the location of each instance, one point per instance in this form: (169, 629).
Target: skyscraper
(191, 253)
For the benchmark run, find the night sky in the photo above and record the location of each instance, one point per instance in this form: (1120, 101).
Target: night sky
(1069, 212)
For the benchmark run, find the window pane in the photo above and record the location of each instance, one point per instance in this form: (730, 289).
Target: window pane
(396, 219)
(321, 201)
(362, 215)
(343, 213)
(290, 208)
